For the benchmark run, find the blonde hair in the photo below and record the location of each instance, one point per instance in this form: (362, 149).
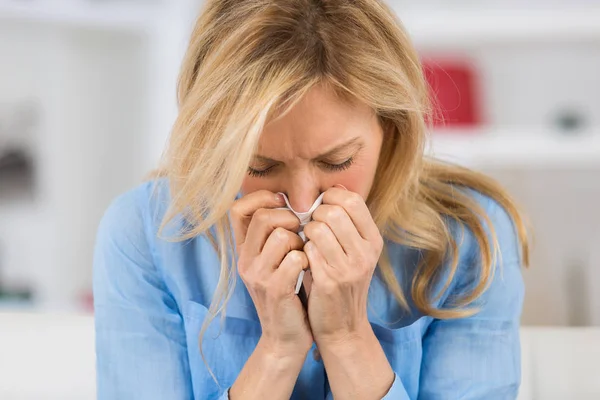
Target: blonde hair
(249, 61)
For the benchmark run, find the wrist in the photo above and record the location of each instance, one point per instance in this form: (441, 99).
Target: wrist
(357, 366)
(282, 355)
(268, 373)
(345, 342)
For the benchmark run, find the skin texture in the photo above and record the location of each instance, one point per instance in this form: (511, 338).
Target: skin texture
(319, 123)
(321, 145)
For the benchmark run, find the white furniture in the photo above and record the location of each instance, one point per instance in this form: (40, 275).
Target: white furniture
(528, 148)
(471, 26)
(560, 363)
(45, 356)
(102, 76)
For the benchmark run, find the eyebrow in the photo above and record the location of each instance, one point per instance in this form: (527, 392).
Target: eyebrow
(339, 148)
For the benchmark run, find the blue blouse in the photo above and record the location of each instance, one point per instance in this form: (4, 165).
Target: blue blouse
(151, 297)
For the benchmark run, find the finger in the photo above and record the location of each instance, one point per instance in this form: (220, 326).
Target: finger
(290, 268)
(357, 210)
(341, 225)
(324, 239)
(244, 208)
(279, 243)
(263, 223)
(316, 262)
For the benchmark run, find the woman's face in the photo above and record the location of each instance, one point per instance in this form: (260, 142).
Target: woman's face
(321, 142)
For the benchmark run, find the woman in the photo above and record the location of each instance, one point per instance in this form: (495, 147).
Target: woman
(414, 288)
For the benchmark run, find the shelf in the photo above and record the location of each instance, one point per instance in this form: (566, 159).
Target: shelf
(110, 15)
(470, 26)
(432, 26)
(507, 148)
(16, 306)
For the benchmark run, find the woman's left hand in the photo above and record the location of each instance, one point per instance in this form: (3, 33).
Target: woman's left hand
(343, 249)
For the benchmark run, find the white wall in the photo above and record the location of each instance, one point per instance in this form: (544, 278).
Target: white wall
(107, 100)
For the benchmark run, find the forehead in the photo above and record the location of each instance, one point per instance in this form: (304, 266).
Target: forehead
(318, 122)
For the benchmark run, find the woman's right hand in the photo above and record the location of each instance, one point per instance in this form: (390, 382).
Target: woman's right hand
(269, 262)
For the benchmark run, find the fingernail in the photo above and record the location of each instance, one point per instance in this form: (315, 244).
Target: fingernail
(279, 198)
(340, 186)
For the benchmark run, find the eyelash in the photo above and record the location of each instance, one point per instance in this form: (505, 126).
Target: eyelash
(340, 167)
(331, 167)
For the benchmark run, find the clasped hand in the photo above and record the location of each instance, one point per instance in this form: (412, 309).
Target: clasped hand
(342, 250)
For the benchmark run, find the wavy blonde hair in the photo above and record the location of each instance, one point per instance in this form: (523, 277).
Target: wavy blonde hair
(250, 61)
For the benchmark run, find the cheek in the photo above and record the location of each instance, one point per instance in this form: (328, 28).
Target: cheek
(358, 179)
(252, 184)
(355, 181)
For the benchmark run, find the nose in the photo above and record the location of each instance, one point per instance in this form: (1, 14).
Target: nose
(302, 193)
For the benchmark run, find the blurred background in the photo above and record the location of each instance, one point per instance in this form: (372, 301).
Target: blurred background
(87, 98)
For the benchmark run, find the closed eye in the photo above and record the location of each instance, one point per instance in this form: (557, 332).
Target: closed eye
(259, 173)
(338, 167)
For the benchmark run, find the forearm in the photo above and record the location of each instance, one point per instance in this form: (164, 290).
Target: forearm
(357, 368)
(268, 373)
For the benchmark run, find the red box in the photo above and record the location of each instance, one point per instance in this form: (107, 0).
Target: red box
(455, 92)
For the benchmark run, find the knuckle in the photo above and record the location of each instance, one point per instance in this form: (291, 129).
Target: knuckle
(379, 244)
(364, 271)
(376, 248)
(352, 201)
(244, 275)
(319, 228)
(262, 215)
(248, 277)
(297, 257)
(362, 265)
(280, 235)
(283, 236)
(235, 210)
(294, 256)
(335, 213)
(242, 266)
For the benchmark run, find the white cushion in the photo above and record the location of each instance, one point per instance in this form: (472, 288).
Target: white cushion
(45, 356)
(561, 363)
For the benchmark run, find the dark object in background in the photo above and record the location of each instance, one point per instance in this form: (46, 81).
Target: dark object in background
(570, 121)
(16, 175)
(18, 125)
(14, 295)
(455, 91)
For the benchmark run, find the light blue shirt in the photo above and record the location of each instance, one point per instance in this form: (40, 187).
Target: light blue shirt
(151, 297)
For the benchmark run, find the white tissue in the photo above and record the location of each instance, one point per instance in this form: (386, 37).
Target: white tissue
(305, 218)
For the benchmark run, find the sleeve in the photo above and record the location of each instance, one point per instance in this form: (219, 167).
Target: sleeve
(140, 341)
(479, 357)
(397, 391)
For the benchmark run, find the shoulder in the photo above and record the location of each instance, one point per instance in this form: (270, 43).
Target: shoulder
(136, 210)
(132, 218)
(505, 289)
(124, 250)
(499, 227)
